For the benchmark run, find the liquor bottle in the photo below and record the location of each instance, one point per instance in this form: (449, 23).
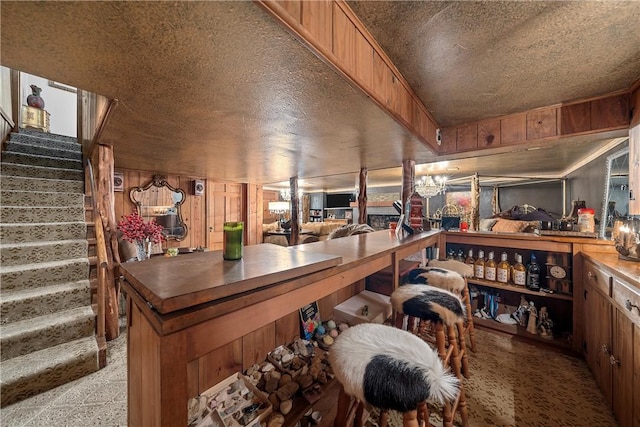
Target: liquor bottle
(519, 272)
(451, 254)
(478, 267)
(533, 274)
(470, 261)
(460, 256)
(490, 268)
(502, 271)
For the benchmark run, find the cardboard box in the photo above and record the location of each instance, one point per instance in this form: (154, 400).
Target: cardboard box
(350, 311)
(233, 402)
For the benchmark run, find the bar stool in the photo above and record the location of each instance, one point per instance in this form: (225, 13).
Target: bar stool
(450, 275)
(388, 368)
(435, 310)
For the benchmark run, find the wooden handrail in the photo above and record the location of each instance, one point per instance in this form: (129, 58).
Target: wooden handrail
(101, 126)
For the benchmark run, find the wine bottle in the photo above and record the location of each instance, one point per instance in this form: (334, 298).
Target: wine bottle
(490, 268)
(470, 261)
(460, 256)
(519, 272)
(502, 271)
(478, 267)
(533, 274)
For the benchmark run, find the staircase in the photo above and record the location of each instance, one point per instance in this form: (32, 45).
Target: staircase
(47, 323)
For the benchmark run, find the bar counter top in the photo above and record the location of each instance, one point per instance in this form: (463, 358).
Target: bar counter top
(627, 270)
(171, 284)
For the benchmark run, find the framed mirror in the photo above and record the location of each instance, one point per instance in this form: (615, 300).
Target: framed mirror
(615, 204)
(160, 201)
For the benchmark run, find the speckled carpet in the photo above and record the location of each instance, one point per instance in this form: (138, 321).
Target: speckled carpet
(519, 384)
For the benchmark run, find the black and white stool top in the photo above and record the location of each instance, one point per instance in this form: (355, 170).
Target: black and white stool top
(390, 368)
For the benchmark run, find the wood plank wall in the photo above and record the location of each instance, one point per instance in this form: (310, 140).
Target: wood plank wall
(252, 348)
(204, 215)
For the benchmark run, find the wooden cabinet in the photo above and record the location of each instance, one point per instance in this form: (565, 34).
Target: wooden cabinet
(597, 337)
(612, 339)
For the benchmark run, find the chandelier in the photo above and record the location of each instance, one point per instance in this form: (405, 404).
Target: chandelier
(285, 195)
(429, 186)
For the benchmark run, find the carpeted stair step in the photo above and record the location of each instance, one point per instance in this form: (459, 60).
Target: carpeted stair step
(20, 183)
(30, 276)
(19, 305)
(15, 169)
(40, 198)
(38, 333)
(43, 370)
(45, 150)
(64, 143)
(23, 214)
(45, 135)
(42, 231)
(32, 160)
(36, 252)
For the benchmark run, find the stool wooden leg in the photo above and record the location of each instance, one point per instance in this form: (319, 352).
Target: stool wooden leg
(410, 419)
(344, 404)
(358, 421)
(462, 407)
(470, 328)
(463, 349)
(399, 320)
(447, 415)
(423, 414)
(440, 342)
(384, 418)
(455, 353)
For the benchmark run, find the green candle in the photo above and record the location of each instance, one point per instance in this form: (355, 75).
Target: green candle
(233, 236)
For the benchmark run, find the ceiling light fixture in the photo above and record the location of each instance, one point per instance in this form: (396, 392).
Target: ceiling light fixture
(429, 186)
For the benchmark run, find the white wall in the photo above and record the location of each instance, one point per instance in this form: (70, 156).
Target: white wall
(59, 103)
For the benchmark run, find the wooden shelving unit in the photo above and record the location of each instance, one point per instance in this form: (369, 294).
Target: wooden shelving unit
(519, 289)
(519, 331)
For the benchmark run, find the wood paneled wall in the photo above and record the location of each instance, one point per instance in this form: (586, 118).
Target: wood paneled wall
(253, 347)
(269, 196)
(610, 112)
(204, 215)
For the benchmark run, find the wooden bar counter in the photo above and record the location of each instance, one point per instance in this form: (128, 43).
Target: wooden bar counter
(195, 319)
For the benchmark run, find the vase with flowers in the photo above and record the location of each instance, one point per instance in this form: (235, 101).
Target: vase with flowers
(143, 234)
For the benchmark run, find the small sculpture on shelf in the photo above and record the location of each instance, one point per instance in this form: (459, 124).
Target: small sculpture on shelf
(533, 319)
(545, 324)
(35, 100)
(520, 315)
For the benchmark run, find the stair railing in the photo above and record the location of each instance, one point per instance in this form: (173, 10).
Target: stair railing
(102, 270)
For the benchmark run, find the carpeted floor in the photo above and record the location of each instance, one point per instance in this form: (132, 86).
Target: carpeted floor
(519, 384)
(512, 384)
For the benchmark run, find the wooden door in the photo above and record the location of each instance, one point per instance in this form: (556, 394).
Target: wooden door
(224, 203)
(622, 368)
(597, 336)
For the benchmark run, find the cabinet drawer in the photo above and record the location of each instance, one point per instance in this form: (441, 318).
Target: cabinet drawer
(597, 278)
(627, 297)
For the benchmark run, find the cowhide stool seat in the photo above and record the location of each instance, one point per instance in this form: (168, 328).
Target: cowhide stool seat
(465, 271)
(388, 368)
(439, 311)
(453, 281)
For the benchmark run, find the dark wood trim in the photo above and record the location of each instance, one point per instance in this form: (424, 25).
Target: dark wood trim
(95, 141)
(6, 118)
(15, 99)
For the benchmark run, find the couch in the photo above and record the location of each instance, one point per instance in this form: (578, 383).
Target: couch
(319, 231)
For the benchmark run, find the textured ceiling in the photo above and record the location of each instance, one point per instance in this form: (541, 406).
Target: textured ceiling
(470, 60)
(220, 90)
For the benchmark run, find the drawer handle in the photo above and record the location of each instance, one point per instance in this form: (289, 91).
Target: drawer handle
(613, 361)
(606, 350)
(592, 276)
(630, 306)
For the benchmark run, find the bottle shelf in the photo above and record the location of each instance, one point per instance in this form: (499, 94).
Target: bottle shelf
(519, 289)
(519, 331)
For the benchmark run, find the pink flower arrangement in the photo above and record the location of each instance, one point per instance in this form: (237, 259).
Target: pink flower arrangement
(135, 229)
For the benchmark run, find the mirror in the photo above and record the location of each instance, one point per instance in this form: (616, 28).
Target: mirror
(160, 201)
(615, 204)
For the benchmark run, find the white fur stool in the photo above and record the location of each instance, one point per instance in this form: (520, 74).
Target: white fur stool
(437, 311)
(390, 369)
